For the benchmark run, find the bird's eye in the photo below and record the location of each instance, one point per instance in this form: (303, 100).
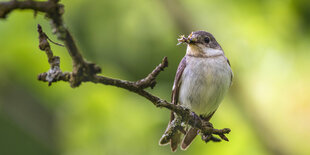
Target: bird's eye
(207, 39)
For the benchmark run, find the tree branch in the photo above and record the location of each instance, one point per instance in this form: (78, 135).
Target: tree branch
(84, 71)
(54, 74)
(47, 7)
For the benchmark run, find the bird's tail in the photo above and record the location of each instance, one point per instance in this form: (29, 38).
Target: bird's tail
(174, 139)
(189, 137)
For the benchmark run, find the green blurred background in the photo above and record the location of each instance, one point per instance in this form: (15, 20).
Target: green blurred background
(267, 108)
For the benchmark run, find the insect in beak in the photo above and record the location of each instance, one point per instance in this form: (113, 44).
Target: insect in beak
(188, 40)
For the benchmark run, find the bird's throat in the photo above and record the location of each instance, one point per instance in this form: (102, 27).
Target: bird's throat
(203, 52)
(195, 51)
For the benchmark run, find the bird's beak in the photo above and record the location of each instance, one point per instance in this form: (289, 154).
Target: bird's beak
(191, 39)
(188, 40)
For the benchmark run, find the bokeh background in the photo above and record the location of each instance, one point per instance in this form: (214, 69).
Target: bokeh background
(267, 108)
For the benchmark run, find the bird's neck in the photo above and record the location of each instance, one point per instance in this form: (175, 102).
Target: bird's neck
(202, 51)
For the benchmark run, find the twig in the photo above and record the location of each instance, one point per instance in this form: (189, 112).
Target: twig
(54, 73)
(84, 71)
(149, 81)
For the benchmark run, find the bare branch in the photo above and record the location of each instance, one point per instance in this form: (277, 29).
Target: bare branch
(84, 71)
(54, 74)
(149, 81)
(47, 7)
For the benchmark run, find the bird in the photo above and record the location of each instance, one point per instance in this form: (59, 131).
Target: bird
(202, 79)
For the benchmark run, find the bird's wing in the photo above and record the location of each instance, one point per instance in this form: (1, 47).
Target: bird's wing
(231, 75)
(176, 139)
(176, 84)
(177, 81)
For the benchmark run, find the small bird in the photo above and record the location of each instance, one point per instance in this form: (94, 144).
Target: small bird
(202, 79)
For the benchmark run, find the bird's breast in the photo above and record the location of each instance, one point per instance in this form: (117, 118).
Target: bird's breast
(204, 83)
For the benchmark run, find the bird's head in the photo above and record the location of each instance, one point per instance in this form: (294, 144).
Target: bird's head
(201, 43)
